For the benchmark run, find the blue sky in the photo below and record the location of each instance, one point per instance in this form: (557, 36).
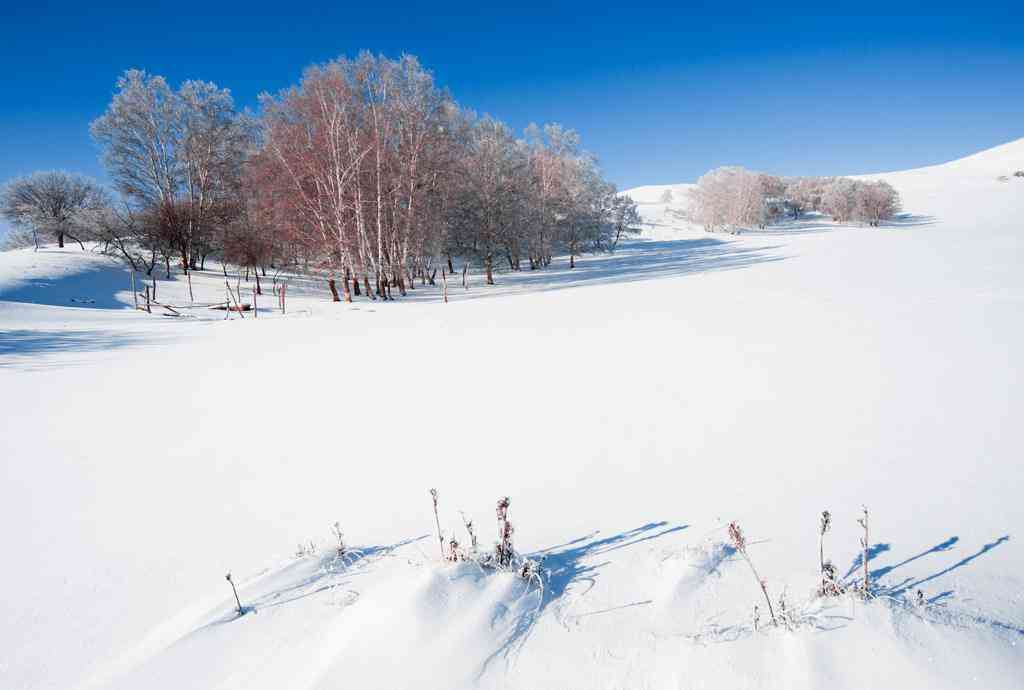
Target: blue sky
(660, 93)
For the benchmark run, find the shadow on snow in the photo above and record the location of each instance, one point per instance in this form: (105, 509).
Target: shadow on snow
(25, 343)
(571, 564)
(93, 288)
(903, 592)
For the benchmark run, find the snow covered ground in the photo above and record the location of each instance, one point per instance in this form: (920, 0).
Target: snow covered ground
(631, 408)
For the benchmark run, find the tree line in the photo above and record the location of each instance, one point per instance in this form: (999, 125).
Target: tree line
(365, 172)
(733, 198)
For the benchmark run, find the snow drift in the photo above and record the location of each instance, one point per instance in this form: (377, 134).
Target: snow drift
(631, 408)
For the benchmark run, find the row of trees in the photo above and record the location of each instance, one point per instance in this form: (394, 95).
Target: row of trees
(731, 198)
(365, 172)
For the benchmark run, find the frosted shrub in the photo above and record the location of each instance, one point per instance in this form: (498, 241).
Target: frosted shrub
(504, 551)
(308, 549)
(739, 542)
(437, 521)
(865, 589)
(472, 533)
(830, 585)
(503, 557)
(339, 536)
(235, 592)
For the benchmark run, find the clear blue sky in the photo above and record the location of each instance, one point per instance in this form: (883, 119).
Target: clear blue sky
(659, 93)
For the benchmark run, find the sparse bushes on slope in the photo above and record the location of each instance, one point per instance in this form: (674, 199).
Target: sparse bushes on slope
(504, 556)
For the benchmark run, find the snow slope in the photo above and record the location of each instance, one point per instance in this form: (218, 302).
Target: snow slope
(630, 407)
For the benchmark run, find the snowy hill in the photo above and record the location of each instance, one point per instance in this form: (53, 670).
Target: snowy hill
(631, 408)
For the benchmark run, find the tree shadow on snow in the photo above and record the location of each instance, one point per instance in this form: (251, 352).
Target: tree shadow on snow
(633, 261)
(92, 288)
(21, 343)
(907, 220)
(572, 565)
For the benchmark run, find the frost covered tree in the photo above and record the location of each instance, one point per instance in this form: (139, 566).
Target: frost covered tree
(732, 198)
(52, 203)
(583, 212)
(625, 218)
(804, 194)
(729, 198)
(177, 153)
(492, 188)
(876, 202)
(839, 199)
(370, 172)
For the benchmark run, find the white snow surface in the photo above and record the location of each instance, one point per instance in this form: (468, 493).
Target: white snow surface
(630, 408)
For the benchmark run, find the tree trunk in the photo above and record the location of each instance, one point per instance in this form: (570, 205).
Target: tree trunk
(334, 290)
(345, 288)
(366, 284)
(60, 240)
(488, 269)
(572, 261)
(259, 291)
(433, 276)
(355, 285)
(451, 268)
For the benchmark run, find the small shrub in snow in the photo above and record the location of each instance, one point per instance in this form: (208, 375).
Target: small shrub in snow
(309, 549)
(739, 542)
(1019, 173)
(785, 615)
(235, 591)
(830, 585)
(504, 551)
(437, 520)
(340, 537)
(863, 522)
(472, 533)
